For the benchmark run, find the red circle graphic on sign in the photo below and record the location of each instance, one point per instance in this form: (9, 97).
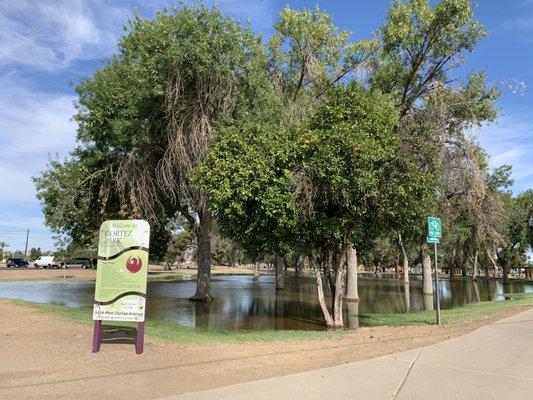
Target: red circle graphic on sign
(134, 264)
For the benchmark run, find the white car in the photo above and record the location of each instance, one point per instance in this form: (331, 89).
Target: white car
(46, 262)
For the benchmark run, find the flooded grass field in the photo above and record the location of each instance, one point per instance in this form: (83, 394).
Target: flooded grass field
(242, 303)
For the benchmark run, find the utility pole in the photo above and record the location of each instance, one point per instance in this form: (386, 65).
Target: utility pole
(27, 236)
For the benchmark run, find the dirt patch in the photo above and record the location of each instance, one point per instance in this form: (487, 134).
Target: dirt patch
(45, 357)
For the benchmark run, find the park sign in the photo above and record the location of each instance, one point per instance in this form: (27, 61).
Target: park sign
(434, 227)
(431, 240)
(433, 237)
(121, 275)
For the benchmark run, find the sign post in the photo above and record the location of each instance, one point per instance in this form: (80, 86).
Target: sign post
(434, 235)
(121, 275)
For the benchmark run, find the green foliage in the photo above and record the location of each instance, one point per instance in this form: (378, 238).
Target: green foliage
(35, 253)
(177, 246)
(420, 44)
(148, 115)
(68, 198)
(308, 53)
(518, 229)
(344, 152)
(290, 148)
(247, 177)
(273, 190)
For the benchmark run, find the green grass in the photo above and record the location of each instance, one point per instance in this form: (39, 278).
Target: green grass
(175, 333)
(467, 313)
(171, 332)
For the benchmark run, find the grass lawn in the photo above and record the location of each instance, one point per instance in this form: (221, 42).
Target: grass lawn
(176, 333)
(467, 313)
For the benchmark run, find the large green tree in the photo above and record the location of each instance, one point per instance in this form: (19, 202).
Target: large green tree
(148, 116)
(419, 48)
(314, 188)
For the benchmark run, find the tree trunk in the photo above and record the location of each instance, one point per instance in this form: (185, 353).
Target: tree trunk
(505, 268)
(405, 261)
(321, 300)
(462, 263)
(299, 266)
(203, 277)
(352, 293)
(280, 272)
(494, 266)
(338, 321)
(256, 271)
(397, 267)
(427, 284)
(452, 262)
(428, 302)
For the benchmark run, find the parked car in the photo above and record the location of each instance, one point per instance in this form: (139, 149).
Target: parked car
(46, 262)
(82, 262)
(17, 263)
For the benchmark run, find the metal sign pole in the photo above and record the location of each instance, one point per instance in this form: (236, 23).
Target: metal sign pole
(437, 286)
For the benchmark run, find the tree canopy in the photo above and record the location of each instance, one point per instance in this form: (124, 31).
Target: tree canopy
(308, 143)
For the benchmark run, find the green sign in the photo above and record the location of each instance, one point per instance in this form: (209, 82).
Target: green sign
(122, 271)
(430, 239)
(434, 227)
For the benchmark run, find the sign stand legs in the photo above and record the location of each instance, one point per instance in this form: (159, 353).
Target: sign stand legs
(437, 287)
(139, 339)
(97, 336)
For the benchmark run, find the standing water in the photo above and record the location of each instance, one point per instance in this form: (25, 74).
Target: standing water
(243, 303)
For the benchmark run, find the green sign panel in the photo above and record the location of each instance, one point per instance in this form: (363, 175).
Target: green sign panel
(433, 240)
(122, 271)
(434, 227)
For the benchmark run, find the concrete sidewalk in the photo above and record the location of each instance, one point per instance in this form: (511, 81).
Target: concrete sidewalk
(493, 362)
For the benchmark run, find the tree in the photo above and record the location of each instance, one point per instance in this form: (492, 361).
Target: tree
(3, 246)
(418, 48)
(308, 55)
(148, 116)
(420, 45)
(178, 246)
(35, 253)
(517, 232)
(314, 188)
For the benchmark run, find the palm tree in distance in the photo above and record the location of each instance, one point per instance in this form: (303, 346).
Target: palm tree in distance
(3, 245)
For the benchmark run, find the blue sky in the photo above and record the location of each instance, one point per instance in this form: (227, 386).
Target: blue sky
(45, 44)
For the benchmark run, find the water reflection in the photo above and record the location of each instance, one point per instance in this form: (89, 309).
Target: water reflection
(352, 314)
(245, 303)
(428, 302)
(407, 297)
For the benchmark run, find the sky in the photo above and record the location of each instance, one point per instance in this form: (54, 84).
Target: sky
(47, 47)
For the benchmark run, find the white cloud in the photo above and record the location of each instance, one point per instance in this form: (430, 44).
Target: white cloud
(34, 123)
(51, 35)
(16, 185)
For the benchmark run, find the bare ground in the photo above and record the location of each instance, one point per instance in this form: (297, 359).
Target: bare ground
(44, 357)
